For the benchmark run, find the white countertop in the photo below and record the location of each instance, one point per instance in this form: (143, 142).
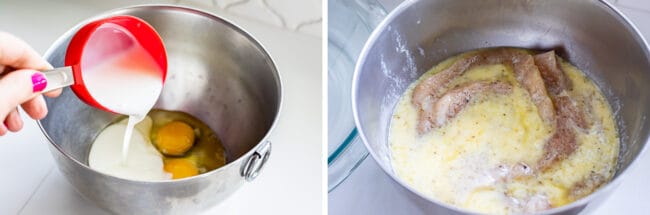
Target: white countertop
(291, 182)
(368, 190)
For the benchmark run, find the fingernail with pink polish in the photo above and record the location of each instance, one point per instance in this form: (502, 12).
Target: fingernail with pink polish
(38, 82)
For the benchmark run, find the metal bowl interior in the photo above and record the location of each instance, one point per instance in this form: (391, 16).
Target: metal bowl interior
(418, 34)
(216, 72)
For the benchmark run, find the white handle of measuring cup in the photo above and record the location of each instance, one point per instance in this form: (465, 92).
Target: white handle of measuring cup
(58, 78)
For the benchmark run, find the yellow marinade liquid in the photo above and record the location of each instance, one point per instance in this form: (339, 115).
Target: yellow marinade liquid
(456, 163)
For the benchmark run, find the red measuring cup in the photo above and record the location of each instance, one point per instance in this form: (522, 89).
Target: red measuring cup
(104, 39)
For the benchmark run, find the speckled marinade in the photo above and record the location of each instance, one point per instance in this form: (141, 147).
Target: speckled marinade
(489, 157)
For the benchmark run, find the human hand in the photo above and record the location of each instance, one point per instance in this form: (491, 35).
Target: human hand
(21, 83)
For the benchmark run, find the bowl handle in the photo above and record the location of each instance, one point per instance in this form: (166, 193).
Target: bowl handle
(256, 162)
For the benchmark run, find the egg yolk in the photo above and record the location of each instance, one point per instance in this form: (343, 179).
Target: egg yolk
(175, 138)
(180, 168)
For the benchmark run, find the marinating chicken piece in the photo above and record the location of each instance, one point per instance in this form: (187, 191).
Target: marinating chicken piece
(452, 102)
(563, 142)
(429, 91)
(529, 77)
(554, 78)
(557, 83)
(571, 111)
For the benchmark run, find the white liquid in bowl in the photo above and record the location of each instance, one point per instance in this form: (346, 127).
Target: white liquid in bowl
(143, 163)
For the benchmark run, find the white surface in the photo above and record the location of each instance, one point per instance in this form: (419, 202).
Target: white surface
(370, 191)
(291, 182)
(638, 4)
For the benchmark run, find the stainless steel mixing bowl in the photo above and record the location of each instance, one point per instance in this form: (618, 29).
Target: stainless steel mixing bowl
(218, 73)
(418, 34)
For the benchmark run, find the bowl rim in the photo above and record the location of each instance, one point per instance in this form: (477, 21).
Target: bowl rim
(277, 79)
(582, 202)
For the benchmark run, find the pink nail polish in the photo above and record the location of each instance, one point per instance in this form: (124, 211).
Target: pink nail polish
(38, 82)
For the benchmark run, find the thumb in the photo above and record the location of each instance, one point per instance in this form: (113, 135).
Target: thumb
(18, 87)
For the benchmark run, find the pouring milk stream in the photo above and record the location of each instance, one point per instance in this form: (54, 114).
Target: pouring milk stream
(127, 82)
